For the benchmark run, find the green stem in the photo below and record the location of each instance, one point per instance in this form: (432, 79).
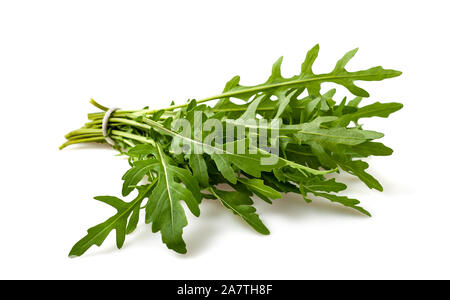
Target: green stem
(98, 105)
(130, 122)
(259, 88)
(253, 89)
(79, 141)
(135, 137)
(82, 131)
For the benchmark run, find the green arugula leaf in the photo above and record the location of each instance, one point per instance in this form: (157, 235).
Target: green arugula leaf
(319, 184)
(241, 204)
(164, 208)
(199, 168)
(312, 132)
(352, 203)
(97, 234)
(373, 110)
(357, 168)
(366, 149)
(258, 187)
(134, 175)
(307, 79)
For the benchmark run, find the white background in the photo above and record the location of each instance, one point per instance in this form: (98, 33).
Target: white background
(55, 55)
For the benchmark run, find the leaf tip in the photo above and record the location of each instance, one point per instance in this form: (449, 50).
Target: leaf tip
(362, 210)
(179, 250)
(74, 253)
(363, 93)
(396, 73)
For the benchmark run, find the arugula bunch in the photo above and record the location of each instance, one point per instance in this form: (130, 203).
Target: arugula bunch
(316, 136)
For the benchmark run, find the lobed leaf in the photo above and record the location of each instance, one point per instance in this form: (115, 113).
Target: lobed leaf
(241, 204)
(97, 234)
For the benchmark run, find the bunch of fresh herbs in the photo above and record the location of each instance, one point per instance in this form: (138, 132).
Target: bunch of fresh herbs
(286, 138)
